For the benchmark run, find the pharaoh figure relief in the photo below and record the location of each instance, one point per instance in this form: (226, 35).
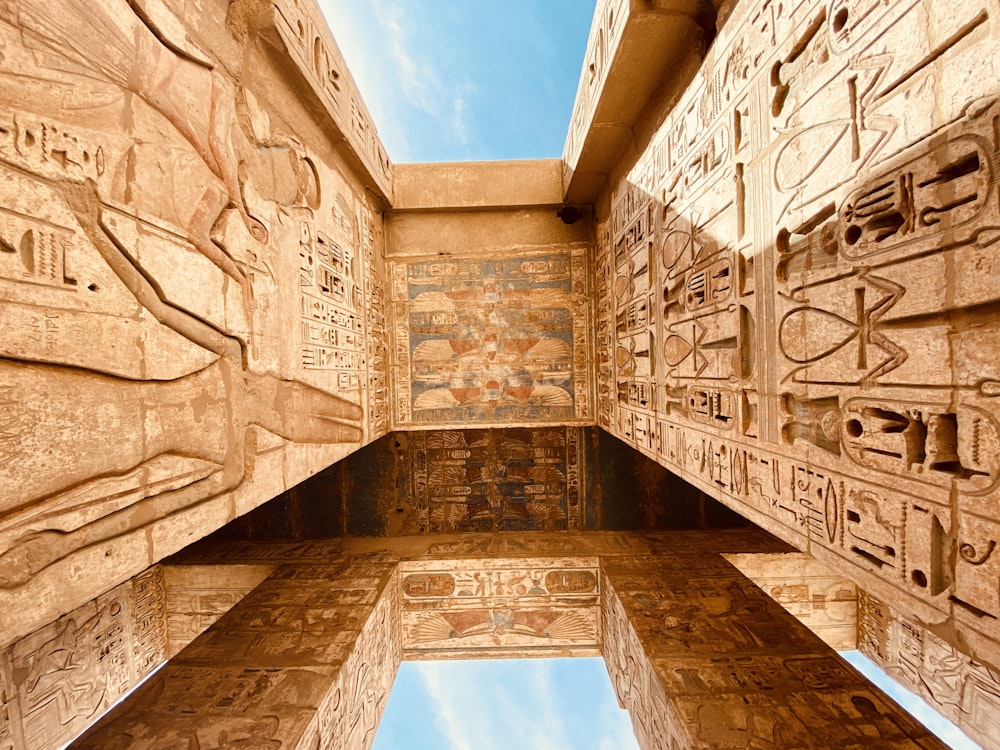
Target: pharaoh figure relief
(147, 197)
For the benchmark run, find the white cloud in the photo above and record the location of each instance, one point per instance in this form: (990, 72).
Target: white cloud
(422, 82)
(462, 710)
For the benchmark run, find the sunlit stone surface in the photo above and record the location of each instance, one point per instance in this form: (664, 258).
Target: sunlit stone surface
(778, 281)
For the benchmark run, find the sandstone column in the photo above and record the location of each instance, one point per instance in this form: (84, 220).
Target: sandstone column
(305, 660)
(702, 658)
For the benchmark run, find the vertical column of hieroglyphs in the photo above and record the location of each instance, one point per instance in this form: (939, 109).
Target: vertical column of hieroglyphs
(703, 658)
(827, 338)
(304, 660)
(186, 261)
(336, 228)
(633, 214)
(492, 341)
(604, 327)
(962, 689)
(376, 301)
(60, 678)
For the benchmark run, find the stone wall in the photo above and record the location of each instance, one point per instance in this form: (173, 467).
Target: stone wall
(191, 285)
(962, 689)
(515, 479)
(61, 678)
(798, 296)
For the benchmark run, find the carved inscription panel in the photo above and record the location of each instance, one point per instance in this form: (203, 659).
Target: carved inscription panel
(799, 292)
(517, 608)
(515, 479)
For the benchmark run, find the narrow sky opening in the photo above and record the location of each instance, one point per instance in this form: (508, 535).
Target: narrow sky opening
(532, 704)
(465, 81)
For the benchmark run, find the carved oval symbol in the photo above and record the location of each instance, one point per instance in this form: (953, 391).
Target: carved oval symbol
(428, 584)
(570, 581)
(675, 349)
(808, 334)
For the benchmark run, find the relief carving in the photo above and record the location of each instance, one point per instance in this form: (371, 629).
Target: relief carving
(102, 219)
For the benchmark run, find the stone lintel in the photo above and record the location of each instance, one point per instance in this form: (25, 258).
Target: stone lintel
(452, 186)
(634, 47)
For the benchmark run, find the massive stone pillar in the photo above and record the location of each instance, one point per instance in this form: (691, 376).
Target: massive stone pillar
(303, 661)
(699, 655)
(703, 658)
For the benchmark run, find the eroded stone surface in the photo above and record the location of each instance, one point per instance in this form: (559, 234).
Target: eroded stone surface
(192, 300)
(797, 295)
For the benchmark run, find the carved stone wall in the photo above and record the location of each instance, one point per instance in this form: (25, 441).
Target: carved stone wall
(703, 658)
(823, 601)
(198, 595)
(799, 294)
(305, 660)
(191, 289)
(515, 479)
(58, 680)
(964, 690)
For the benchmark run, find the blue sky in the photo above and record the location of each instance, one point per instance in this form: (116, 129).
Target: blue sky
(528, 704)
(465, 80)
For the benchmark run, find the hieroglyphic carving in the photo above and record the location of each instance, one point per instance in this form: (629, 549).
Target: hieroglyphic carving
(149, 620)
(312, 650)
(732, 667)
(518, 608)
(508, 480)
(376, 302)
(964, 690)
(10, 720)
(59, 679)
(604, 337)
(827, 334)
(309, 41)
(352, 708)
(146, 194)
(484, 341)
(198, 595)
